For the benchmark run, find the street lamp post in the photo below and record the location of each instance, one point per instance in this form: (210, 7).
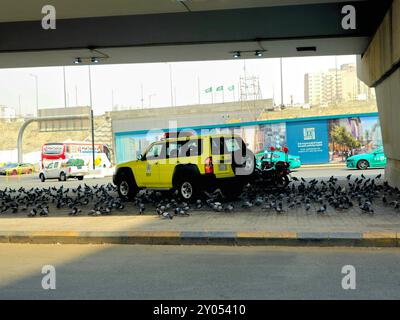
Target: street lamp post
(91, 118)
(37, 92)
(151, 95)
(65, 89)
(281, 72)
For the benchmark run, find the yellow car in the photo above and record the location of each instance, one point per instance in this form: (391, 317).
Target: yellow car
(18, 169)
(188, 164)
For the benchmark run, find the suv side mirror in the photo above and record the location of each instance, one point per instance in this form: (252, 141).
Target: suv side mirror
(140, 157)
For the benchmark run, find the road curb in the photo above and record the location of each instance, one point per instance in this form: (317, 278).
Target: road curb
(243, 238)
(322, 166)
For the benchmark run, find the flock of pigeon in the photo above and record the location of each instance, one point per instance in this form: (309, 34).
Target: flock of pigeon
(363, 194)
(37, 201)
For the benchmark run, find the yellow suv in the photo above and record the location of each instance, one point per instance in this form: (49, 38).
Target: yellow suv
(190, 165)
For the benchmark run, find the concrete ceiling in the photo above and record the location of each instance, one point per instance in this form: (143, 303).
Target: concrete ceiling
(30, 10)
(201, 52)
(138, 31)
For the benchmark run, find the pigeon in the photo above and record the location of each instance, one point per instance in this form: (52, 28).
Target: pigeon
(32, 213)
(167, 215)
(322, 209)
(74, 211)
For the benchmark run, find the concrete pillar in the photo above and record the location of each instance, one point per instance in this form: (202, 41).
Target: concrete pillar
(379, 67)
(388, 99)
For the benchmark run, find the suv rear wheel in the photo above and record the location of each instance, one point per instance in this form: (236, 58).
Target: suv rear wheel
(42, 177)
(188, 188)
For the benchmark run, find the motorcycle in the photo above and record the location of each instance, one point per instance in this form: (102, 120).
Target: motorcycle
(275, 174)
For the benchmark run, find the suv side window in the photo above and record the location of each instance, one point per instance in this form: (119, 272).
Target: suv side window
(157, 151)
(232, 144)
(191, 148)
(172, 149)
(225, 145)
(217, 145)
(181, 149)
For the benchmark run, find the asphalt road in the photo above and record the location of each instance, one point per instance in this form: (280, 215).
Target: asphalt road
(199, 272)
(32, 181)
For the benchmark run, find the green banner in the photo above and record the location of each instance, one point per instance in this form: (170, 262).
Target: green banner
(220, 88)
(208, 90)
(231, 88)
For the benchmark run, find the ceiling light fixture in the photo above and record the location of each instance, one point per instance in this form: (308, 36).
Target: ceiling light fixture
(94, 60)
(258, 53)
(236, 54)
(77, 60)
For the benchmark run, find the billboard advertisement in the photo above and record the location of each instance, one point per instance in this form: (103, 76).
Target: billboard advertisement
(309, 140)
(314, 140)
(353, 135)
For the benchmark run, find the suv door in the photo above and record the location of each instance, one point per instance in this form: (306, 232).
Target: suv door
(147, 171)
(179, 152)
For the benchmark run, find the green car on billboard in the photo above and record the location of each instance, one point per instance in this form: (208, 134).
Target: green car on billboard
(294, 161)
(374, 159)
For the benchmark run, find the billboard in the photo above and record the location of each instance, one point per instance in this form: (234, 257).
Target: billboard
(363, 136)
(309, 140)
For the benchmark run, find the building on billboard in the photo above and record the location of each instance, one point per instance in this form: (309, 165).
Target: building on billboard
(335, 85)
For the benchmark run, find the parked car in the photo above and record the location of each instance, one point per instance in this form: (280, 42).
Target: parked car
(17, 169)
(4, 168)
(294, 161)
(362, 161)
(189, 165)
(62, 170)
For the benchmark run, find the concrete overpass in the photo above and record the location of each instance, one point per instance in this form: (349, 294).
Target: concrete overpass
(122, 31)
(180, 30)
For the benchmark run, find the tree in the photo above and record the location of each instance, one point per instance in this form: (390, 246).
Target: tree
(340, 136)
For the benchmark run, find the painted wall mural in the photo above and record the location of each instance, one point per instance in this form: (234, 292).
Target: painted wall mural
(315, 140)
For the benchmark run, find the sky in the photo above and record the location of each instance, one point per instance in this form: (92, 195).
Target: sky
(122, 85)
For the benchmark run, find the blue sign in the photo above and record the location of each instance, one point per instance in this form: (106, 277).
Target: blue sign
(309, 140)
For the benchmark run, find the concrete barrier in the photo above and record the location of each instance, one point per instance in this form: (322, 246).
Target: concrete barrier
(257, 238)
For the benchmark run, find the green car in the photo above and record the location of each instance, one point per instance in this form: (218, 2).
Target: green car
(294, 161)
(375, 159)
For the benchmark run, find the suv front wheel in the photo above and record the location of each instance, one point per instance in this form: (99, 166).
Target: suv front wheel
(126, 186)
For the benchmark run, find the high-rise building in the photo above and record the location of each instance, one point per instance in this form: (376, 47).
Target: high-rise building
(335, 85)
